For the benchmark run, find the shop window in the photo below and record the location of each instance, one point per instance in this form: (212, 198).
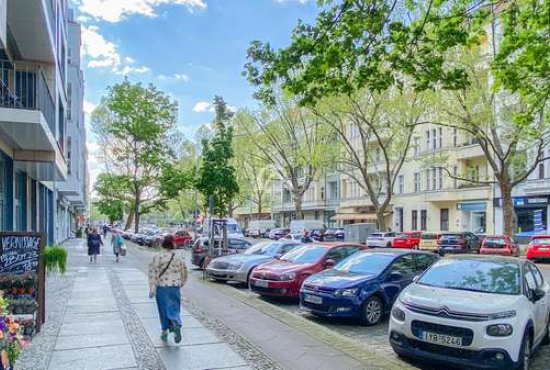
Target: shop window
(423, 220)
(444, 219)
(414, 225)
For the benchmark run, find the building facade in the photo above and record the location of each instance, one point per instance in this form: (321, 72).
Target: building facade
(35, 134)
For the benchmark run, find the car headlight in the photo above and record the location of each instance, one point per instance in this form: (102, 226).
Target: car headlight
(502, 315)
(347, 292)
(398, 314)
(500, 330)
(287, 276)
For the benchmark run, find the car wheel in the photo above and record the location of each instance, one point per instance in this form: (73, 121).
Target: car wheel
(388, 245)
(525, 353)
(372, 311)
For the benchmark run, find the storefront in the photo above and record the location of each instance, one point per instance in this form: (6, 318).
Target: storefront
(532, 214)
(474, 216)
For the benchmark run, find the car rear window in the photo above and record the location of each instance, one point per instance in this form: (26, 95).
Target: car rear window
(375, 235)
(541, 241)
(451, 238)
(429, 236)
(494, 242)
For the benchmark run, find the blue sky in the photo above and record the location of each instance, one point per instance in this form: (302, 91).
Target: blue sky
(192, 49)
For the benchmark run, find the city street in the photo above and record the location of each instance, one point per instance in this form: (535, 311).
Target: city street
(371, 339)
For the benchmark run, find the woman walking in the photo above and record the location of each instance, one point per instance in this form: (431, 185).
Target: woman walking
(116, 243)
(167, 275)
(94, 245)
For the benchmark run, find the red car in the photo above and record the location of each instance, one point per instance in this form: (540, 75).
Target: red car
(182, 238)
(502, 245)
(284, 277)
(539, 247)
(407, 240)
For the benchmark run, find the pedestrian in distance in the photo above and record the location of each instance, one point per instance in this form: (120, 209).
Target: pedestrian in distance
(306, 238)
(105, 229)
(167, 275)
(94, 245)
(117, 244)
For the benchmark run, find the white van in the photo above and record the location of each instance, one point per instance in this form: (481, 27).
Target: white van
(257, 228)
(233, 228)
(298, 226)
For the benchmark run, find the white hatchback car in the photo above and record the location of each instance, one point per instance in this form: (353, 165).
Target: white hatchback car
(381, 240)
(475, 312)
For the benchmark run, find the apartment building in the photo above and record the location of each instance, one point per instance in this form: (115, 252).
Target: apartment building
(34, 131)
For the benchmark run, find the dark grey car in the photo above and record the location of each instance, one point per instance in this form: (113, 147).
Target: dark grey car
(201, 249)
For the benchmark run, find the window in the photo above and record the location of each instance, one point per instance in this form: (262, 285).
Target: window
(401, 181)
(434, 178)
(455, 175)
(378, 154)
(434, 138)
(428, 140)
(416, 182)
(424, 261)
(337, 254)
(440, 137)
(69, 100)
(416, 146)
(541, 170)
(428, 179)
(404, 265)
(455, 137)
(530, 280)
(473, 173)
(414, 220)
(423, 220)
(440, 178)
(444, 219)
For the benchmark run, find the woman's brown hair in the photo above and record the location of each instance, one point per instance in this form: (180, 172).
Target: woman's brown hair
(168, 242)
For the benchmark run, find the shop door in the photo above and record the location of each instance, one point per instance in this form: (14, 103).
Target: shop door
(479, 222)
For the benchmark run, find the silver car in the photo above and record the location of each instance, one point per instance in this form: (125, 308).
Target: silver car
(238, 267)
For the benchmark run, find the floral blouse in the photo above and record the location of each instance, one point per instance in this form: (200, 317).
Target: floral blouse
(176, 275)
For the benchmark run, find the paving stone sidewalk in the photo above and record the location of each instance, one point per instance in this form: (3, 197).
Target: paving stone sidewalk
(108, 322)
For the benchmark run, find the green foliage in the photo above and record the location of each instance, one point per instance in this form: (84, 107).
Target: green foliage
(55, 259)
(216, 175)
(114, 193)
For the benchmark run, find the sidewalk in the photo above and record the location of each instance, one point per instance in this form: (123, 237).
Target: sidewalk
(110, 324)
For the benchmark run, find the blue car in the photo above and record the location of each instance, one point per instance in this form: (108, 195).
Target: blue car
(364, 285)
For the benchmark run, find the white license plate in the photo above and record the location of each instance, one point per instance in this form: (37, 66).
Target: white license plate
(445, 340)
(543, 248)
(261, 283)
(313, 299)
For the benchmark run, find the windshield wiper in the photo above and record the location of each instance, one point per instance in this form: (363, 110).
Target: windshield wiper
(466, 289)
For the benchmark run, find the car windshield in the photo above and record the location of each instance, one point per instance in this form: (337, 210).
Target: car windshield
(494, 242)
(308, 254)
(365, 263)
(233, 228)
(487, 276)
(541, 241)
(267, 248)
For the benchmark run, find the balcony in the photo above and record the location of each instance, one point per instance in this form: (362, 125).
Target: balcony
(470, 151)
(28, 121)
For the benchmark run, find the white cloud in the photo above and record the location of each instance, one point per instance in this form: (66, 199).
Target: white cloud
(104, 54)
(203, 106)
(182, 77)
(175, 76)
(117, 10)
(88, 107)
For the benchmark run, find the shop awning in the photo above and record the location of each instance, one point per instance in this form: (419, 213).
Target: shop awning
(354, 217)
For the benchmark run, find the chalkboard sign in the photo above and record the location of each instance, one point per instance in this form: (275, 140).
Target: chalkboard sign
(22, 275)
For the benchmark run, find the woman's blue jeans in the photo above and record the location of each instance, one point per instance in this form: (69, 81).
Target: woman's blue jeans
(169, 306)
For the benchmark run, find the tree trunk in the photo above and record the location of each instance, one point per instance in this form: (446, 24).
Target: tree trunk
(136, 214)
(130, 220)
(259, 209)
(298, 207)
(230, 209)
(507, 208)
(381, 220)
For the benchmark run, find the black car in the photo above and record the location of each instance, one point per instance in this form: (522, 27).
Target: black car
(317, 235)
(334, 234)
(458, 242)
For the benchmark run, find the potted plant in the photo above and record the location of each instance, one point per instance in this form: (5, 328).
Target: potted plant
(55, 259)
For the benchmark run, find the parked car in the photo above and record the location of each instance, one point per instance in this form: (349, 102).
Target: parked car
(408, 240)
(284, 277)
(380, 240)
(334, 234)
(299, 226)
(257, 228)
(238, 267)
(150, 238)
(502, 245)
(201, 249)
(182, 238)
(539, 248)
(459, 242)
(428, 241)
(475, 312)
(278, 233)
(294, 237)
(127, 234)
(317, 235)
(365, 285)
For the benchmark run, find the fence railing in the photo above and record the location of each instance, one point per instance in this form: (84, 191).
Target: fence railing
(23, 86)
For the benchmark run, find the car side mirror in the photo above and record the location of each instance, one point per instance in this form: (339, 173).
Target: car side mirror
(537, 294)
(396, 276)
(330, 263)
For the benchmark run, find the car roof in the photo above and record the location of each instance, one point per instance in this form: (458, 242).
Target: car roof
(540, 236)
(397, 251)
(492, 258)
(339, 244)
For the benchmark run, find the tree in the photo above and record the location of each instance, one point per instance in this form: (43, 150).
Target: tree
(296, 144)
(253, 172)
(374, 131)
(133, 124)
(216, 175)
(113, 195)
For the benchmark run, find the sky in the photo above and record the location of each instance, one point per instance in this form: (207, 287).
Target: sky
(191, 49)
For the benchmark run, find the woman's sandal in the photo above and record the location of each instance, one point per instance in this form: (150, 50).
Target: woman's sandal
(164, 335)
(177, 332)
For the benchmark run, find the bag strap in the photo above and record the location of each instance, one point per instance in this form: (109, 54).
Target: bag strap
(167, 266)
